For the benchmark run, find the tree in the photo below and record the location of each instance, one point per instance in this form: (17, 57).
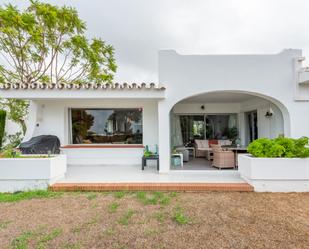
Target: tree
(2, 126)
(47, 44)
(17, 110)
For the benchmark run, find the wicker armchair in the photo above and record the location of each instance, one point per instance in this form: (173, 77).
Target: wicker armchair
(201, 147)
(222, 158)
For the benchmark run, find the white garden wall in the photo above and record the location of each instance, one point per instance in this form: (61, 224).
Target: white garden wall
(22, 174)
(103, 156)
(275, 174)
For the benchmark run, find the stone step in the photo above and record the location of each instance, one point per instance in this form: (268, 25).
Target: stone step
(198, 187)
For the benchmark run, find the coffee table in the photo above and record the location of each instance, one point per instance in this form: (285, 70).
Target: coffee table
(237, 150)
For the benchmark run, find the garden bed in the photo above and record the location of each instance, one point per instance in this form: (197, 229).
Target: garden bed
(275, 174)
(31, 172)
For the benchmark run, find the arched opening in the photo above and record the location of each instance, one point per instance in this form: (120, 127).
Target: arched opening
(227, 120)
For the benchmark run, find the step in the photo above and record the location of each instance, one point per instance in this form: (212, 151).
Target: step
(198, 187)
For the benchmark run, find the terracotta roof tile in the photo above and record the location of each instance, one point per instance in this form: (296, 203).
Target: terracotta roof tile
(91, 86)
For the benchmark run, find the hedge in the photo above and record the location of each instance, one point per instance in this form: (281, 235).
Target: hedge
(280, 147)
(2, 125)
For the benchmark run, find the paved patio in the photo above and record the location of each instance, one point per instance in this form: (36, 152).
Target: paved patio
(134, 174)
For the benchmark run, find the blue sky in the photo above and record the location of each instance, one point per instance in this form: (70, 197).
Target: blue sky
(139, 28)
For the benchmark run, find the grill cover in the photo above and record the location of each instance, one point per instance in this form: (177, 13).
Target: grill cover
(41, 145)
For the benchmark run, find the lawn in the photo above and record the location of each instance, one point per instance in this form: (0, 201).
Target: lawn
(154, 220)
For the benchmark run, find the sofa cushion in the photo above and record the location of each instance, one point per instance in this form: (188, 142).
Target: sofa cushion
(213, 141)
(202, 143)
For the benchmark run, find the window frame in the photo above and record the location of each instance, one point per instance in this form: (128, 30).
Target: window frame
(70, 132)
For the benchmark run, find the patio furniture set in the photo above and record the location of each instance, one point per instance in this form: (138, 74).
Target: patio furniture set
(221, 153)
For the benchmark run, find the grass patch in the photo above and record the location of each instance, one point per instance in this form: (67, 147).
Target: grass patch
(48, 237)
(110, 231)
(119, 194)
(4, 224)
(173, 194)
(151, 232)
(153, 198)
(112, 208)
(70, 246)
(179, 217)
(125, 219)
(21, 242)
(92, 196)
(86, 225)
(19, 196)
(160, 216)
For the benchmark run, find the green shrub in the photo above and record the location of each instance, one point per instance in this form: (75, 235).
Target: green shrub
(280, 147)
(2, 125)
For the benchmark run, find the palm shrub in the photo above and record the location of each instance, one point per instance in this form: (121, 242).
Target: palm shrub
(2, 125)
(280, 147)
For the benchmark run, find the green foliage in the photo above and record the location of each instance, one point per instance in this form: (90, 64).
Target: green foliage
(112, 208)
(179, 217)
(12, 141)
(148, 153)
(2, 126)
(233, 133)
(125, 219)
(280, 147)
(21, 242)
(92, 196)
(19, 196)
(153, 198)
(28, 237)
(10, 153)
(45, 238)
(17, 111)
(119, 194)
(4, 224)
(47, 44)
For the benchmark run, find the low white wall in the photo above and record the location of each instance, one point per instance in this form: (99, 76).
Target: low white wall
(22, 174)
(103, 156)
(275, 174)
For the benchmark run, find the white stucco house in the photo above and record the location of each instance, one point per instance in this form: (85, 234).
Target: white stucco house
(198, 97)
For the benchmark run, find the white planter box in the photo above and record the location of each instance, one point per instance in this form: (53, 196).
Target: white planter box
(275, 174)
(20, 174)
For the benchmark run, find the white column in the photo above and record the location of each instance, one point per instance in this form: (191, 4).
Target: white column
(164, 136)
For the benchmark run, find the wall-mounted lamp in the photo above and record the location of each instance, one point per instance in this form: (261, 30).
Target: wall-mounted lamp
(268, 114)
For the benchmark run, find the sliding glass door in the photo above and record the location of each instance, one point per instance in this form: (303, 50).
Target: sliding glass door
(208, 126)
(192, 127)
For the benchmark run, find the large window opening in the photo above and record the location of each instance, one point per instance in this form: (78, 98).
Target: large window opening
(106, 126)
(210, 126)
